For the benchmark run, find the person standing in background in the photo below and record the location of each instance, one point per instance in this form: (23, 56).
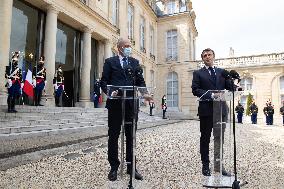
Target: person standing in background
(253, 111)
(39, 80)
(240, 111)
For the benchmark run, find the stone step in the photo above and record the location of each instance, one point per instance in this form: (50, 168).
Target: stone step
(16, 142)
(14, 123)
(24, 129)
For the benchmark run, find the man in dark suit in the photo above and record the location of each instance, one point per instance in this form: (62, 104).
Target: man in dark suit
(115, 72)
(204, 79)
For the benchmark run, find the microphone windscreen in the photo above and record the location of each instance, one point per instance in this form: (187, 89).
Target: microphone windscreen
(225, 74)
(234, 74)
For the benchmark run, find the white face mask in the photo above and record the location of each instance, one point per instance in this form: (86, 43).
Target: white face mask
(127, 51)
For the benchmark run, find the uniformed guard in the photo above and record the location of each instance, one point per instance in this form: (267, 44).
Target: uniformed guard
(270, 112)
(265, 111)
(240, 111)
(97, 93)
(39, 81)
(282, 112)
(13, 75)
(164, 106)
(58, 83)
(152, 106)
(253, 111)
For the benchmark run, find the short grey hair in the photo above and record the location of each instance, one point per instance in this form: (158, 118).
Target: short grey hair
(121, 41)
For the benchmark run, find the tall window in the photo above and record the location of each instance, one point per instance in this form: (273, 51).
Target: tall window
(172, 90)
(172, 45)
(246, 83)
(115, 4)
(142, 34)
(182, 6)
(282, 83)
(130, 21)
(152, 81)
(171, 7)
(152, 40)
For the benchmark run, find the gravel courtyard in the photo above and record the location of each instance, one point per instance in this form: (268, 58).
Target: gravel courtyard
(168, 157)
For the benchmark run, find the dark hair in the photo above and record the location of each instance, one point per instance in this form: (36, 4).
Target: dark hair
(207, 50)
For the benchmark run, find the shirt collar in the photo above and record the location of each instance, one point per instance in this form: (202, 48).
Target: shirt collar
(207, 67)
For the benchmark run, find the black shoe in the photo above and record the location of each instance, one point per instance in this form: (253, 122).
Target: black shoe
(206, 170)
(112, 175)
(10, 111)
(40, 105)
(14, 111)
(138, 176)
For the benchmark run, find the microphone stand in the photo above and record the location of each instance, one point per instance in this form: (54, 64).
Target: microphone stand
(236, 183)
(131, 76)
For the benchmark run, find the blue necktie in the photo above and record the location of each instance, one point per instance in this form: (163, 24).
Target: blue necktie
(213, 75)
(124, 62)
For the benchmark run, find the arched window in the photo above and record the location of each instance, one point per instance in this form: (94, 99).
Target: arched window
(172, 90)
(246, 83)
(282, 83)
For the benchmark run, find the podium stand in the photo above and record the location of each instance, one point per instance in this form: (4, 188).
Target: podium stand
(128, 95)
(221, 103)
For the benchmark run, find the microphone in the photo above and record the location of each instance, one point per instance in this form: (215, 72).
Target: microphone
(226, 74)
(235, 75)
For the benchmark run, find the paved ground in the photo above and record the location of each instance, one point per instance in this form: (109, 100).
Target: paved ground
(168, 157)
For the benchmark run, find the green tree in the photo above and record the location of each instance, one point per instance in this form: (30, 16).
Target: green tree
(249, 102)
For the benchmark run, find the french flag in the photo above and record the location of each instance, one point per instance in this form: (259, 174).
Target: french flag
(28, 86)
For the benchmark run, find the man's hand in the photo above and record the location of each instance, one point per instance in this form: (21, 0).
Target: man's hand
(114, 93)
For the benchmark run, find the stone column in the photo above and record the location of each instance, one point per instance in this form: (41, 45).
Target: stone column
(108, 52)
(84, 99)
(6, 7)
(50, 51)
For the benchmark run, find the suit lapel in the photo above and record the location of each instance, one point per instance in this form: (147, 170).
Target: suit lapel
(209, 76)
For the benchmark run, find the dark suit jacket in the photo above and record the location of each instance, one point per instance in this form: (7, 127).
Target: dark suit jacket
(202, 82)
(114, 74)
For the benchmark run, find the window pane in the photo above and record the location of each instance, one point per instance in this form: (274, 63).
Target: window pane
(282, 83)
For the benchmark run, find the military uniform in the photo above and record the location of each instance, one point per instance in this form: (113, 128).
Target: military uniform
(39, 80)
(58, 83)
(97, 93)
(164, 106)
(265, 109)
(13, 75)
(282, 113)
(240, 111)
(270, 112)
(253, 111)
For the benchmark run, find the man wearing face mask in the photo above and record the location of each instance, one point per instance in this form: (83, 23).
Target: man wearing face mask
(39, 79)
(115, 73)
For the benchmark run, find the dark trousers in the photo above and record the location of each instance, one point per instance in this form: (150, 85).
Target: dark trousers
(114, 127)
(151, 111)
(270, 119)
(254, 118)
(164, 114)
(240, 117)
(206, 126)
(37, 96)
